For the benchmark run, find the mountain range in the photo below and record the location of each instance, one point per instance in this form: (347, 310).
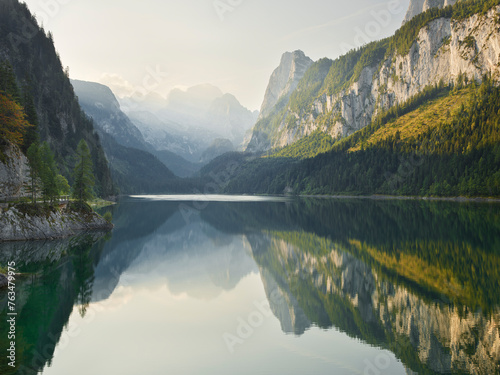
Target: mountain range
(188, 122)
(339, 97)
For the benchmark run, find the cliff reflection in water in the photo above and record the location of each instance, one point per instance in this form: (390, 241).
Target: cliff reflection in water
(418, 278)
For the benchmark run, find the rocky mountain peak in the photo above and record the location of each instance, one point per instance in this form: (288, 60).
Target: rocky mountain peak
(285, 79)
(419, 6)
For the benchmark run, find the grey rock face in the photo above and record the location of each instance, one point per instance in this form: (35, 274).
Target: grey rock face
(284, 79)
(439, 53)
(16, 226)
(419, 6)
(13, 173)
(99, 102)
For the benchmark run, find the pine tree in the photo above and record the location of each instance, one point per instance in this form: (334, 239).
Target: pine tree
(31, 133)
(83, 175)
(48, 174)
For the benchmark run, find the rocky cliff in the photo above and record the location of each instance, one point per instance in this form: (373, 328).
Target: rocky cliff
(99, 102)
(444, 50)
(13, 172)
(282, 84)
(17, 224)
(285, 80)
(419, 6)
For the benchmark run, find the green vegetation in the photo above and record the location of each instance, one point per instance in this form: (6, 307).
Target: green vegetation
(332, 77)
(307, 147)
(404, 38)
(30, 60)
(108, 217)
(416, 148)
(83, 175)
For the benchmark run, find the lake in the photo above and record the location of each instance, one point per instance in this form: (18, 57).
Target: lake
(249, 285)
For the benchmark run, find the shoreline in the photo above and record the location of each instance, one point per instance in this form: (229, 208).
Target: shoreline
(407, 198)
(17, 225)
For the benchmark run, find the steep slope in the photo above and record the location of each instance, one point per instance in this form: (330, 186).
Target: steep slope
(284, 80)
(13, 172)
(282, 84)
(38, 69)
(135, 171)
(443, 142)
(459, 42)
(231, 120)
(99, 102)
(419, 6)
(188, 121)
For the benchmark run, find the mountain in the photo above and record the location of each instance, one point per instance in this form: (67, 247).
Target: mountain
(188, 121)
(404, 116)
(135, 169)
(343, 96)
(284, 80)
(217, 148)
(99, 102)
(39, 73)
(282, 84)
(419, 6)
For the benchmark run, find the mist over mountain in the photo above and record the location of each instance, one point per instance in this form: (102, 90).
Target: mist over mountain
(99, 102)
(187, 122)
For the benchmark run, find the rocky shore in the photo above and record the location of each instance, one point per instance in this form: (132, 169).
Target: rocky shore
(21, 224)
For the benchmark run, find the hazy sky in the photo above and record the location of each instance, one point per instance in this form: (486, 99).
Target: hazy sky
(155, 45)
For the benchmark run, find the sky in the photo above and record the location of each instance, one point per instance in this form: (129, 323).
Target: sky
(156, 45)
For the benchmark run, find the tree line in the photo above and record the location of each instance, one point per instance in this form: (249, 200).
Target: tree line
(19, 126)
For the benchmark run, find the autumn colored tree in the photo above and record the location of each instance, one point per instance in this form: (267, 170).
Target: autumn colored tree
(13, 124)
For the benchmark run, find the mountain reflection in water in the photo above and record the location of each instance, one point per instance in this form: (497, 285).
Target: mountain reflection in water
(420, 279)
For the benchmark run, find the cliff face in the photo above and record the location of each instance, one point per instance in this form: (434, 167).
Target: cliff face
(282, 84)
(19, 226)
(419, 6)
(99, 102)
(13, 173)
(444, 49)
(284, 80)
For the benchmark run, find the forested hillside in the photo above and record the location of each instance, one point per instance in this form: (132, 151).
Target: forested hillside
(450, 153)
(46, 92)
(342, 96)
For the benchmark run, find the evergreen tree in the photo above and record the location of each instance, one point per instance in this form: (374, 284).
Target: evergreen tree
(83, 175)
(48, 174)
(63, 185)
(8, 84)
(31, 133)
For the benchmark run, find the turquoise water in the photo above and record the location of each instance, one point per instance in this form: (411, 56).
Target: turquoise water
(264, 286)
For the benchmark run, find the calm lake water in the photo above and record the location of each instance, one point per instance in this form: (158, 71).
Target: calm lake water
(263, 286)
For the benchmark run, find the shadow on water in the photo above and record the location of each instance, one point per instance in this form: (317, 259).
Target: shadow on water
(420, 279)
